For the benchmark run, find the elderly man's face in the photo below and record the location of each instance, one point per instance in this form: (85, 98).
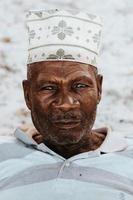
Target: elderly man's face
(62, 97)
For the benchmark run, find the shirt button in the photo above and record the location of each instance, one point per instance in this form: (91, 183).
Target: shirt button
(67, 164)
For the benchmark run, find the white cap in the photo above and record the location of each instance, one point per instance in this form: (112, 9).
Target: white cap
(63, 35)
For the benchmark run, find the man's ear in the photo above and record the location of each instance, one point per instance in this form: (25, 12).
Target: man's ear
(26, 89)
(99, 79)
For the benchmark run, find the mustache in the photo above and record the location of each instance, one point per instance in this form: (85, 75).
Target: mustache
(69, 115)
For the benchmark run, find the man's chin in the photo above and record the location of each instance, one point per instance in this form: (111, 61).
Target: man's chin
(65, 137)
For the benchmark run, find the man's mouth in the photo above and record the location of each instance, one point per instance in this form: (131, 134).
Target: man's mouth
(66, 124)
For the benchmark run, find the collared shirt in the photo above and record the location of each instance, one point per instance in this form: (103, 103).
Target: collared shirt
(31, 171)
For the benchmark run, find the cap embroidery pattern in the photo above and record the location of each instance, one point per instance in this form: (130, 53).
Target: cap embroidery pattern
(60, 54)
(62, 30)
(63, 34)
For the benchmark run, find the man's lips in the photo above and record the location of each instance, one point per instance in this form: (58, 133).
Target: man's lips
(66, 124)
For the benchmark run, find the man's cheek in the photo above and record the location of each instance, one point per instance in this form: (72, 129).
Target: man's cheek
(90, 103)
(38, 104)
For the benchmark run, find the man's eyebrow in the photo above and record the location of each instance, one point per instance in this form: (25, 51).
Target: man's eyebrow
(89, 79)
(47, 81)
(56, 80)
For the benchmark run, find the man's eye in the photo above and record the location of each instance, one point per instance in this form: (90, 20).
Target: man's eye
(48, 87)
(80, 85)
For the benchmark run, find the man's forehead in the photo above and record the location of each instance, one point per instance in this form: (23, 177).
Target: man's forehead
(61, 69)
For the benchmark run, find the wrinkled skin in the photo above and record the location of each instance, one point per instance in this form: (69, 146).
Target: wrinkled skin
(63, 98)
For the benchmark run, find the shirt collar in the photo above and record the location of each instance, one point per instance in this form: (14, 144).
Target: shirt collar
(24, 138)
(113, 142)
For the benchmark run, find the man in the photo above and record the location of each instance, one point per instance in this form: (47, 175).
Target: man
(66, 159)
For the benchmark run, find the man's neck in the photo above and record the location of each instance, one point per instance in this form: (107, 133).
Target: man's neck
(89, 143)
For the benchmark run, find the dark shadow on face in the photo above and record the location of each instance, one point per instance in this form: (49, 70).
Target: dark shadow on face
(63, 98)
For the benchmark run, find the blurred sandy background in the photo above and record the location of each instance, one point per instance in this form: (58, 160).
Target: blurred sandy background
(115, 63)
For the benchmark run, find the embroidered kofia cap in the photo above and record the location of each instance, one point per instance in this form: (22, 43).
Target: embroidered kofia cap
(63, 35)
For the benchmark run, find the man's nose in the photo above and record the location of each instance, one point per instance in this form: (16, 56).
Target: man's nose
(66, 102)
